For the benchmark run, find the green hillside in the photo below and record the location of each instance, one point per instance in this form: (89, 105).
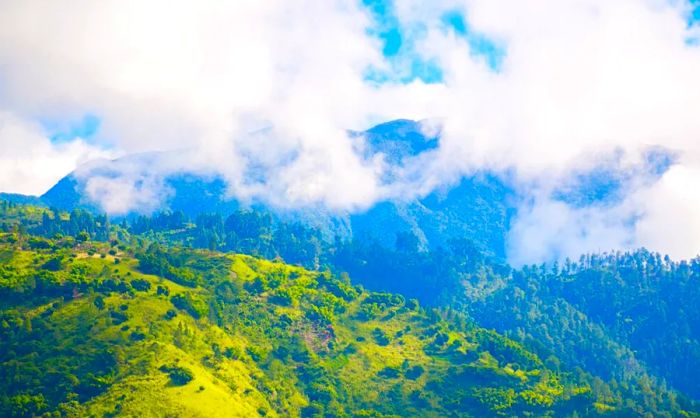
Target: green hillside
(85, 332)
(99, 320)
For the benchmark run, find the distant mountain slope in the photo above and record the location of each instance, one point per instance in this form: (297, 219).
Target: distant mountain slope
(398, 140)
(22, 199)
(625, 315)
(475, 208)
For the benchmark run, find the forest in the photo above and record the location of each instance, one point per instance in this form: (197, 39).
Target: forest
(253, 316)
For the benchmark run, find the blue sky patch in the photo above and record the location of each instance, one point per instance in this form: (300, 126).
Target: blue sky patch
(693, 20)
(479, 44)
(398, 46)
(695, 12)
(85, 128)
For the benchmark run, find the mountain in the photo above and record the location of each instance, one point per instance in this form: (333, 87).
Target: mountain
(476, 207)
(124, 328)
(628, 316)
(22, 199)
(399, 140)
(556, 320)
(624, 323)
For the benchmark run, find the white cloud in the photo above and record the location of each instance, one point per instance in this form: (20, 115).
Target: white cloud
(120, 195)
(237, 83)
(670, 219)
(30, 163)
(552, 230)
(581, 79)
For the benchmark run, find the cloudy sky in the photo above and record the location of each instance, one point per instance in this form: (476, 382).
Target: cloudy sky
(543, 89)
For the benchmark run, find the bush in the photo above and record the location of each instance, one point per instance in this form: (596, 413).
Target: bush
(369, 311)
(282, 297)
(389, 373)
(54, 264)
(141, 285)
(414, 372)
(38, 243)
(258, 286)
(380, 337)
(99, 302)
(441, 338)
(191, 304)
(233, 353)
(179, 376)
(137, 336)
(118, 317)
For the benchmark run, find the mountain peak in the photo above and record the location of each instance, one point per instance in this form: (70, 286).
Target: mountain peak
(400, 139)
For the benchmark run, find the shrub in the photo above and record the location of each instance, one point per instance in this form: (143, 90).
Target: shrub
(414, 372)
(179, 376)
(389, 373)
(38, 243)
(380, 337)
(141, 285)
(54, 264)
(191, 304)
(233, 353)
(137, 336)
(282, 297)
(99, 302)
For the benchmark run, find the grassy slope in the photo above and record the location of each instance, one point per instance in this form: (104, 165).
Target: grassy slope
(273, 340)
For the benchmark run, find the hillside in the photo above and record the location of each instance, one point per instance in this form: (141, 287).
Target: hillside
(557, 314)
(631, 316)
(125, 328)
(85, 331)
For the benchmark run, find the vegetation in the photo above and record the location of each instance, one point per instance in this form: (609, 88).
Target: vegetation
(121, 321)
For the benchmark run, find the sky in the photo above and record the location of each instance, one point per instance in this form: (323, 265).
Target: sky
(544, 90)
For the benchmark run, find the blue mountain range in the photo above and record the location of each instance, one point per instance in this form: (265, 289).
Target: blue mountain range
(478, 207)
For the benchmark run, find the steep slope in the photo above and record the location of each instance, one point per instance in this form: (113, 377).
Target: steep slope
(630, 319)
(476, 209)
(117, 329)
(626, 315)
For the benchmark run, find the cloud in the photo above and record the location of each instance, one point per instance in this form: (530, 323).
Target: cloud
(263, 93)
(580, 81)
(670, 213)
(552, 230)
(30, 163)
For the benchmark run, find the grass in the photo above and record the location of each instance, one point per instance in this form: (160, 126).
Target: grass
(250, 355)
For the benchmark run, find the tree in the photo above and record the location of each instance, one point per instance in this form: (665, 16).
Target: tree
(82, 236)
(99, 302)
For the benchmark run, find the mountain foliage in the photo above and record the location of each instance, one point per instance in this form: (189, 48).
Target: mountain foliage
(131, 318)
(114, 328)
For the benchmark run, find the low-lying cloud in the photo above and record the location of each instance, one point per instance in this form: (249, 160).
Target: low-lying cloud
(267, 91)
(30, 163)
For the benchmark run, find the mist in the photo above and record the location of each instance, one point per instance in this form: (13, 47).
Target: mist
(540, 91)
